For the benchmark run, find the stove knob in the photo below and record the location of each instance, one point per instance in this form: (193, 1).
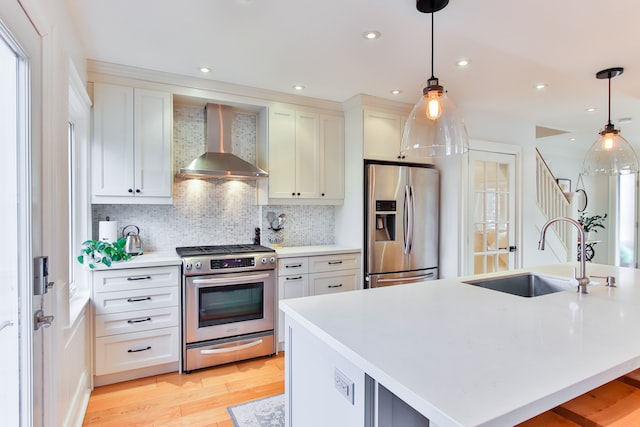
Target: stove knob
(263, 260)
(272, 260)
(198, 265)
(187, 266)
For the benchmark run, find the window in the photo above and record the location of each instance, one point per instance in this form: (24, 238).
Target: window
(79, 202)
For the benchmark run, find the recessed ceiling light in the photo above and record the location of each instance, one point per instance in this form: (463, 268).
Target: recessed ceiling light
(591, 109)
(463, 63)
(396, 92)
(371, 35)
(540, 86)
(298, 87)
(572, 139)
(205, 69)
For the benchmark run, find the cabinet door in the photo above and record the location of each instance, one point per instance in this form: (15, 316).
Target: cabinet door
(307, 155)
(282, 157)
(382, 135)
(111, 148)
(294, 286)
(152, 149)
(331, 157)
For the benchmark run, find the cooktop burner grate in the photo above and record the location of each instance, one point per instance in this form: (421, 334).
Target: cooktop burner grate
(221, 250)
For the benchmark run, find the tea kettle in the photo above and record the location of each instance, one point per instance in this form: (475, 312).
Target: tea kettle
(133, 243)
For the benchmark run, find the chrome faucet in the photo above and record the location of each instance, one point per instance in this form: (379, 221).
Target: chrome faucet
(583, 280)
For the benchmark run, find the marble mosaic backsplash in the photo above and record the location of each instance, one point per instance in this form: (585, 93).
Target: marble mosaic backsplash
(215, 212)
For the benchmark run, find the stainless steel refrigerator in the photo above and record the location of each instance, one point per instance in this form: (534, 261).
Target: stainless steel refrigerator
(401, 223)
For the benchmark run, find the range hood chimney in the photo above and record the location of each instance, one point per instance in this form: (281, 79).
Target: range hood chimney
(218, 161)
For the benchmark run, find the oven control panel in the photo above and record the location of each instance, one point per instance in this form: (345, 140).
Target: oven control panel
(203, 265)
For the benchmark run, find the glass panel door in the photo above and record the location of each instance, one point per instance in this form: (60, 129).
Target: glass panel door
(492, 212)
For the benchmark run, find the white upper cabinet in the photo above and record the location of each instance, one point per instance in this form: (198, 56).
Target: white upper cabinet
(306, 156)
(382, 135)
(332, 157)
(131, 147)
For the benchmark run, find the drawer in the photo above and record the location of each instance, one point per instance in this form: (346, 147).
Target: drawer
(138, 299)
(135, 278)
(318, 264)
(299, 265)
(136, 321)
(136, 350)
(331, 282)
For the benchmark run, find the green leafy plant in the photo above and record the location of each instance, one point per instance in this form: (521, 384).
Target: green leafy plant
(592, 223)
(101, 252)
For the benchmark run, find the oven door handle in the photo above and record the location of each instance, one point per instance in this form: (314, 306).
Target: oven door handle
(214, 281)
(231, 348)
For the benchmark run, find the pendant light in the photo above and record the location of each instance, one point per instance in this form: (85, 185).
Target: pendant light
(611, 154)
(434, 127)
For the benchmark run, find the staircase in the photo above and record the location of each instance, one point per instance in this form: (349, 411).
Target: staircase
(552, 203)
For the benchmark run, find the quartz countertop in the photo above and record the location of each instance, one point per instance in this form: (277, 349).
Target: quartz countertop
(295, 251)
(148, 259)
(467, 356)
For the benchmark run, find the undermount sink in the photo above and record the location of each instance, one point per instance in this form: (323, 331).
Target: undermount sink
(524, 285)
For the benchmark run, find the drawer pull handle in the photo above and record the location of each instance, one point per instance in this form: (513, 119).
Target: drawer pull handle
(139, 350)
(139, 278)
(231, 348)
(139, 299)
(294, 278)
(131, 321)
(335, 262)
(335, 286)
(293, 266)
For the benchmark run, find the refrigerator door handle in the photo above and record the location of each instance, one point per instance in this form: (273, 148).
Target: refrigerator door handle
(405, 221)
(408, 279)
(412, 218)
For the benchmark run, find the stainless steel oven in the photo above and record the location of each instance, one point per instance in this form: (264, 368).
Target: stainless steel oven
(229, 303)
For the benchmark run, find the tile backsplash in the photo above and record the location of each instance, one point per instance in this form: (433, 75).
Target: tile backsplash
(214, 212)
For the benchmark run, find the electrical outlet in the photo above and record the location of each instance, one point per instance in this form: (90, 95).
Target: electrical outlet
(344, 385)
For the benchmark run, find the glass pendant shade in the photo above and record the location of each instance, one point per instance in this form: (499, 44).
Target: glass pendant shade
(443, 136)
(611, 154)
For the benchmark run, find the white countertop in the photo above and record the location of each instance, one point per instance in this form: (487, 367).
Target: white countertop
(148, 259)
(294, 251)
(463, 355)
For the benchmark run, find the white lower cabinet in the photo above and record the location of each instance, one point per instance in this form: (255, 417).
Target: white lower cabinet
(316, 275)
(136, 322)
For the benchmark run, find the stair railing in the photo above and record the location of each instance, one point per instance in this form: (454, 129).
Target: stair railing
(551, 200)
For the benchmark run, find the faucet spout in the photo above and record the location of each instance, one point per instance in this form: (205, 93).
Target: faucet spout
(583, 280)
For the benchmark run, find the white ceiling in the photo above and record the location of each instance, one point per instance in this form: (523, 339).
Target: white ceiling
(274, 44)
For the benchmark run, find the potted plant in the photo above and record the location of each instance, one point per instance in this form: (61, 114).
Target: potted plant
(592, 223)
(102, 252)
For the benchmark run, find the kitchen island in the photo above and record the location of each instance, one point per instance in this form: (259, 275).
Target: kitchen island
(456, 354)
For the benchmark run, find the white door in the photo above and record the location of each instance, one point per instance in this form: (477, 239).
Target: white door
(492, 238)
(22, 395)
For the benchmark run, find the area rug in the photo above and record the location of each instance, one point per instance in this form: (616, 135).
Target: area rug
(267, 412)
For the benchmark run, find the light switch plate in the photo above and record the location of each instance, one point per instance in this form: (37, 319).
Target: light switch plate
(344, 385)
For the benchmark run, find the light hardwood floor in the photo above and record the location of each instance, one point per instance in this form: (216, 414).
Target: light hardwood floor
(197, 399)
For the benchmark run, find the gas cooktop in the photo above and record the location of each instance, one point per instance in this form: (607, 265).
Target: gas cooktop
(190, 251)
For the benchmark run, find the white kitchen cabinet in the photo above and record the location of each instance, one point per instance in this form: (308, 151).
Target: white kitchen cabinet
(306, 156)
(382, 135)
(136, 322)
(316, 275)
(131, 146)
(331, 157)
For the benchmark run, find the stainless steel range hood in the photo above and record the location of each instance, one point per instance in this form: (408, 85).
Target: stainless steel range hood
(218, 161)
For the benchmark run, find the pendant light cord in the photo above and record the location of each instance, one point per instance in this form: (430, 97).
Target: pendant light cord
(432, 74)
(609, 120)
